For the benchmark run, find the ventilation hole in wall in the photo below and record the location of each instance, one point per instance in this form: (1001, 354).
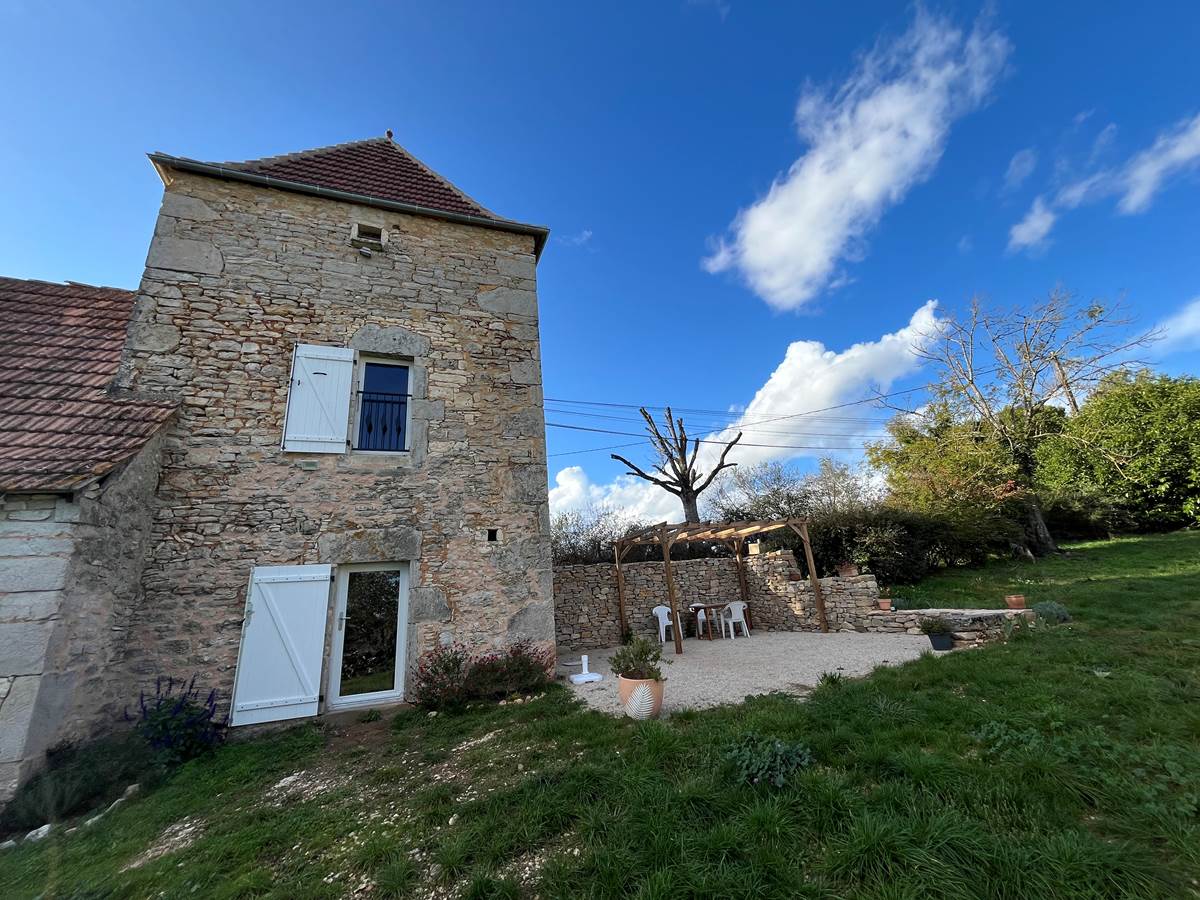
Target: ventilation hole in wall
(493, 535)
(370, 233)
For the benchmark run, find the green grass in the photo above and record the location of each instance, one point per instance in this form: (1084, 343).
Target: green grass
(1063, 763)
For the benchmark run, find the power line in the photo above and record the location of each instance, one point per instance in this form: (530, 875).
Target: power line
(695, 426)
(719, 443)
(595, 449)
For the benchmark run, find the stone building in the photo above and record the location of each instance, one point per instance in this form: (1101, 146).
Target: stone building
(349, 465)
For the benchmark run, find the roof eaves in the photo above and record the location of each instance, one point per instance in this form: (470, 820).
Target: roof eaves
(539, 233)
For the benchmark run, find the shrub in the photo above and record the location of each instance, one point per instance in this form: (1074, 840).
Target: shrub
(441, 678)
(176, 723)
(831, 680)
(757, 759)
(519, 668)
(80, 778)
(900, 546)
(1051, 612)
(935, 625)
(638, 659)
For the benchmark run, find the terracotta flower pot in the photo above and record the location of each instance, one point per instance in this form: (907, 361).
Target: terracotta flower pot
(885, 604)
(847, 570)
(1015, 601)
(641, 697)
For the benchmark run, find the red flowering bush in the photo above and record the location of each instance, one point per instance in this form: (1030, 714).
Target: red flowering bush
(519, 668)
(441, 678)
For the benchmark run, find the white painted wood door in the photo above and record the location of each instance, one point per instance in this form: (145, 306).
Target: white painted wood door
(283, 642)
(370, 629)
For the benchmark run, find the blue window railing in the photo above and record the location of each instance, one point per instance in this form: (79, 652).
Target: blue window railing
(382, 421)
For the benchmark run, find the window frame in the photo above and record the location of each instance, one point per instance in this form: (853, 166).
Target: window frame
(359, 384)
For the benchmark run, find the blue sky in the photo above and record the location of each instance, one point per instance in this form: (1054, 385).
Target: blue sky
(905, 146)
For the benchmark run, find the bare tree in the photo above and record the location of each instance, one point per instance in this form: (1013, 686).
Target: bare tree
(1012, 369)
(677, 464)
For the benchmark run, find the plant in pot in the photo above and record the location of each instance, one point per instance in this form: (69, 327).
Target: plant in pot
(846, 569)
(885, 604)
(1015, 601)
(939, 632)
(639, 678)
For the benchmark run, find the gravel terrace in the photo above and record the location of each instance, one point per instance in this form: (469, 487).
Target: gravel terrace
(710, 673)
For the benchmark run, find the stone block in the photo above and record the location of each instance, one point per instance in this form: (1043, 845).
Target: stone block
(509, 302)
(184, 255)
(23, 647)
(26, 573)
(16, 714)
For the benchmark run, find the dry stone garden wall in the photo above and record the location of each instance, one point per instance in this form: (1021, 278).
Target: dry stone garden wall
(585, 597)
(781, 599)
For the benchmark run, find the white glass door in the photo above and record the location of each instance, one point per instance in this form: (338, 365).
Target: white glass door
(367, 661)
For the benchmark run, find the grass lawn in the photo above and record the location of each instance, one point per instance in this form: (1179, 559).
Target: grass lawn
(1065, 763)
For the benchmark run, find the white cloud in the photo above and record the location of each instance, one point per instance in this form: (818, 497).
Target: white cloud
(1020, 167)
(810, 377)
(1182, 330)
(1173, 152)
(1136, 181)
(1032, 230)
(869, 141)
(577, 240)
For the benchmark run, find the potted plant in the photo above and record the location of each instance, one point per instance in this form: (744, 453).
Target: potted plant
(885, 604)
(1015, 601)
(639, 678)
(939, 632)
(846, 569)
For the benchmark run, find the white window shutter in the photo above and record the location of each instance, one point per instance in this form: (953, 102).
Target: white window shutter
(318, 407)
(283, 641)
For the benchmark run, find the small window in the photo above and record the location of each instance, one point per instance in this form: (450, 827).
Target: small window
(362, 235)
(493, 535)
(383, 406)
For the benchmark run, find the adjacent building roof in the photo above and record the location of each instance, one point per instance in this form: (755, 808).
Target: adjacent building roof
(59, 427)
(375, 172)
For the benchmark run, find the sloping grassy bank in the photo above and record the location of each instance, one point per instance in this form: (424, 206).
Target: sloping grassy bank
(1065, 763)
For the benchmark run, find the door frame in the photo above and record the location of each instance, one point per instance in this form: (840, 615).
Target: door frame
(335, 701)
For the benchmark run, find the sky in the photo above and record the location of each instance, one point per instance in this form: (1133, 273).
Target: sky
(756, 209)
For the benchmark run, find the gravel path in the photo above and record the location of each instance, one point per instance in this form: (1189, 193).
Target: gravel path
(710, 673)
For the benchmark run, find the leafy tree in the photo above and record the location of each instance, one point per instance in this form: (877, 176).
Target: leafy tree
(1134, 447)
(1005, 374)
(587, 535)
(777, 490)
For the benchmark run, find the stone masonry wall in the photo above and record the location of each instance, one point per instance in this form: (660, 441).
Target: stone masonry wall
(237, 275)
(585, 601)
(585, 597)
(70, 577)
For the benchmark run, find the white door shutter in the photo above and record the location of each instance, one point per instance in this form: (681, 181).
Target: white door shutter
(283, 640)
(318, 408)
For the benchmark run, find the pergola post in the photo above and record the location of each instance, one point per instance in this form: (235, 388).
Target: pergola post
(818, 597)
(739, 544)
(619, 551)
(676, 624)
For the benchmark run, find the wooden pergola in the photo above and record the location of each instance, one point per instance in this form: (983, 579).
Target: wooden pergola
(733, 533)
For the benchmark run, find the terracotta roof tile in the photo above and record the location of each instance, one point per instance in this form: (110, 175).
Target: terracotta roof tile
(59, 427)
(378, 168)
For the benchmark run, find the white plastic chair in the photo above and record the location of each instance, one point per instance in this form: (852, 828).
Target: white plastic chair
(701, 618)
(663, 614)
(732, 615)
